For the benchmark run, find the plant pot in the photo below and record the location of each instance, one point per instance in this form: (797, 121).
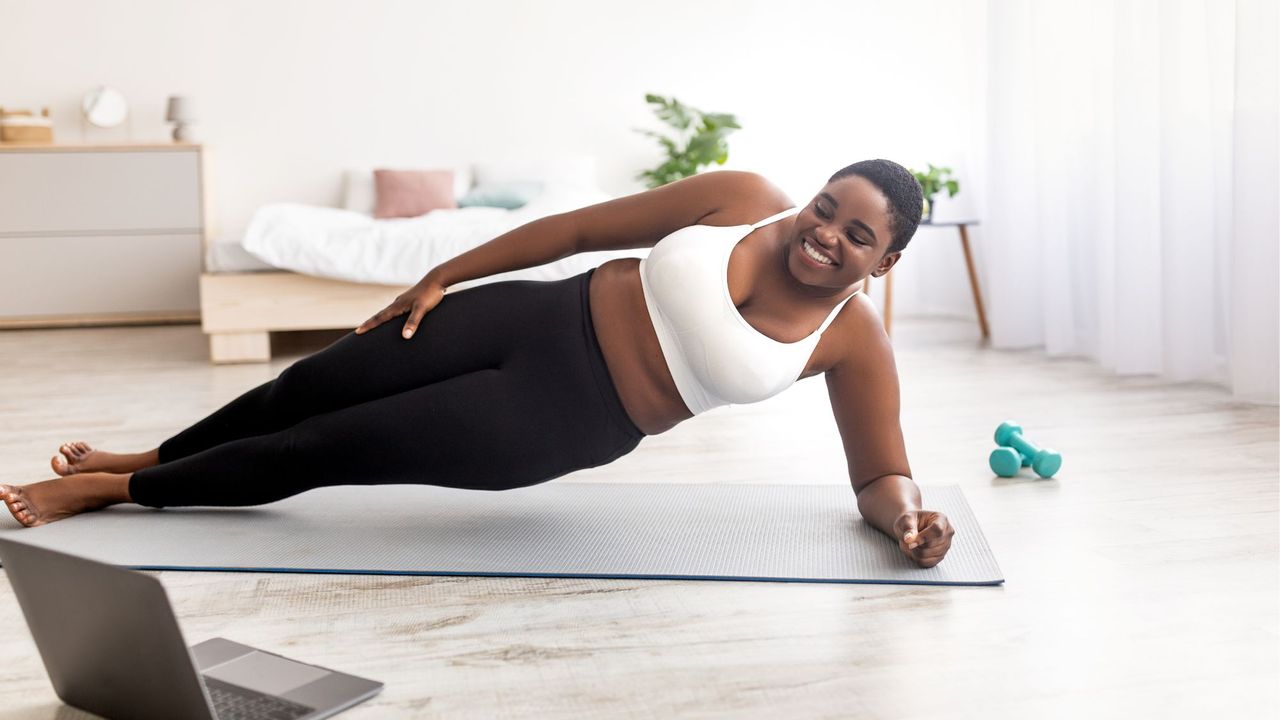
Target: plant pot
(927, 215)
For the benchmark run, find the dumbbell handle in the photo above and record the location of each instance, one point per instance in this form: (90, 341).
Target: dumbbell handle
(1022, 444)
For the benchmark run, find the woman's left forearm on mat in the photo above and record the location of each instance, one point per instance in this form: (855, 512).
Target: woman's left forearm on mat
(884, 499)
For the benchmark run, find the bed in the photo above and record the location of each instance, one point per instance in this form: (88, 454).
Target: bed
(301, 267)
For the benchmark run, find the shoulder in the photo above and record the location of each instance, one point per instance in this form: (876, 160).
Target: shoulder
(720, 197)
(739, 192)
(747, 197)
(731, 180)
(859, 341)
(746, 180)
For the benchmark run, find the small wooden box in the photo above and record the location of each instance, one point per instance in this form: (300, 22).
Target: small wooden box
(22, 126)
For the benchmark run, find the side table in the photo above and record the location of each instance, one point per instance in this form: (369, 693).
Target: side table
(963, 227)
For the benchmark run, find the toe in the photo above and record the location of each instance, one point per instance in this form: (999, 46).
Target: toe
(60, 464)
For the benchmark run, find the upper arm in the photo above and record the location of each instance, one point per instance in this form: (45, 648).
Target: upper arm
(865, 399)
(642, 219)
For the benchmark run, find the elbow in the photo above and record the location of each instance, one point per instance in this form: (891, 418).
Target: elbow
(565, 226)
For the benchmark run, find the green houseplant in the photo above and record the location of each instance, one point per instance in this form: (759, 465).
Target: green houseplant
(700, 140)
(932, 182)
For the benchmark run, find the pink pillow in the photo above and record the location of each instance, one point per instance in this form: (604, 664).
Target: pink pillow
(410, 193)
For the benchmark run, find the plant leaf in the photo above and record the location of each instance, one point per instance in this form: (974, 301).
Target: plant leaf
(707, 144)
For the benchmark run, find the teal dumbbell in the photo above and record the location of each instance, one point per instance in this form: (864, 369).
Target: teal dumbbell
(1006, 462)
(1016, 452)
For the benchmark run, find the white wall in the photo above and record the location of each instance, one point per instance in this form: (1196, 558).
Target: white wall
(291, 92)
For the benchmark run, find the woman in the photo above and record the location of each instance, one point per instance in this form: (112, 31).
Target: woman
(517, 382)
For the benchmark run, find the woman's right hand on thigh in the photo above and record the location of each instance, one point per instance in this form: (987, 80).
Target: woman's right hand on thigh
(416, 301)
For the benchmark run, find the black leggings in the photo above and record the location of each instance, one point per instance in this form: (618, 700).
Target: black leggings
(502, 385)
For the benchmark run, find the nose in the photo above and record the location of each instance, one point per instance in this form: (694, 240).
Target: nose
(827, 237)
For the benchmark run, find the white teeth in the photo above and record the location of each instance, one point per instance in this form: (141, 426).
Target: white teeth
(808, 250)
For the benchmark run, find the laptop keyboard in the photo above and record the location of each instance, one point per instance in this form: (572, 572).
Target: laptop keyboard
(231, 702)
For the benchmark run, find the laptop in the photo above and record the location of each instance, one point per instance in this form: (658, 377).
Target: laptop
(111, 645)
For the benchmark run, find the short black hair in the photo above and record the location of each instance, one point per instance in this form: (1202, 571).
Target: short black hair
(903, 191)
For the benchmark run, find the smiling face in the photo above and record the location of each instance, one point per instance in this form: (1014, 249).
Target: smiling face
(848, 223)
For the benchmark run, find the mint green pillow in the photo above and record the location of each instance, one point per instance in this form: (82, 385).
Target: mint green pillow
(509, 195)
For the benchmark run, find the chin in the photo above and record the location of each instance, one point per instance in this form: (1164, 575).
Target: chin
(794, 263)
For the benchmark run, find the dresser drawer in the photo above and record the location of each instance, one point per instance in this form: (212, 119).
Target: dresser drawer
(83, 193)
(68, 275)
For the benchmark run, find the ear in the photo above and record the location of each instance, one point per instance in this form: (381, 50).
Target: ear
(886, 262)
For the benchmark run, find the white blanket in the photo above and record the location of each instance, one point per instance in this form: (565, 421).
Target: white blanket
(352, 246)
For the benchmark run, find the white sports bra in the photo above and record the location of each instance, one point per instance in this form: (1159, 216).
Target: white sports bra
(715, 356)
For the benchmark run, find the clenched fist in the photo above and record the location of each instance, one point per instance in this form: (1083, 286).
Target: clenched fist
(924, 536)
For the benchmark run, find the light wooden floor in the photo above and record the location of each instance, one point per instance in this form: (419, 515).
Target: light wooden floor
(1140, 583)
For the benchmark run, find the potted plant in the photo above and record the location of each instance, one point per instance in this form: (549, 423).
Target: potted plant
(704, 143)
(932, 182)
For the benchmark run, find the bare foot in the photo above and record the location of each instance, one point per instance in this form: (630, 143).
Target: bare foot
(44, 502)
(79, 457)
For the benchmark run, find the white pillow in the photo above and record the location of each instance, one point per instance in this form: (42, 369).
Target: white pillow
(578, 171)
(359, 194)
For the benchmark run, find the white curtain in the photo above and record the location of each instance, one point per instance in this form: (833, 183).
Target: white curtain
(1132, 186)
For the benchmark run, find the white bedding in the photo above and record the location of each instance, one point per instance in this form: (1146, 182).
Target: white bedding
(353, 246)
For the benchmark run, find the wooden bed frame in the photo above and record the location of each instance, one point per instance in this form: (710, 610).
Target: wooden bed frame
(239, 310)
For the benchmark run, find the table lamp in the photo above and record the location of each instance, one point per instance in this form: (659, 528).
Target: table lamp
(182, 114)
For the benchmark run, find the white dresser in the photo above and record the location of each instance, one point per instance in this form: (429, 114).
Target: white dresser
(100, 234)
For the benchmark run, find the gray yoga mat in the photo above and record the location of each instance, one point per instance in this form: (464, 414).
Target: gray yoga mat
(798, 533)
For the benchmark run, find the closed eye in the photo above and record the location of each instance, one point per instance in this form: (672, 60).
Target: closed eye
(822, 214)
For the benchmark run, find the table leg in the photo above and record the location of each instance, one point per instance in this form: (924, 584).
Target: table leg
(973, 281)
(888, 303)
